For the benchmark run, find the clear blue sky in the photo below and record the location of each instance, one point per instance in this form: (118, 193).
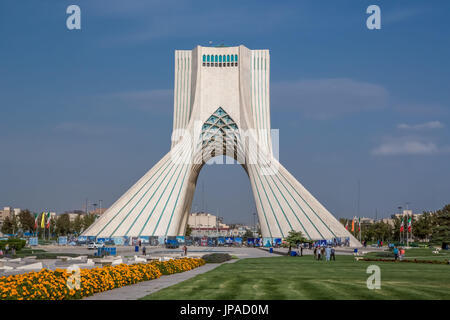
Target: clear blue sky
(84, 114)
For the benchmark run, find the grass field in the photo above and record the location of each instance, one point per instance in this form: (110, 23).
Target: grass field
(304, 278)
(414, 253)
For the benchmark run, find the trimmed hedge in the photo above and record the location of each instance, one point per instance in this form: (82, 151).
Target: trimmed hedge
(13, 243)
(216, 257)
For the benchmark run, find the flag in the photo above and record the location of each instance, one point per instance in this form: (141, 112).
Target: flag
(36, 216)
(43, 220)
(359, 224)
(409, 224)
(48, 220)
(401, 225)
(353, 224)
(346, 225)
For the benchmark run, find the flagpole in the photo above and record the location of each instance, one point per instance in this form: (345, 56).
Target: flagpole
(359, 226)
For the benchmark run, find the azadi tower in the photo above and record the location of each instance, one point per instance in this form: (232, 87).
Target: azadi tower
(221, 107)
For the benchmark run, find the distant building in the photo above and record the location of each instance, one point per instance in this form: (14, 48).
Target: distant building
(73, 214)
(239, 230)
(8, 212)
(206, 224)
(98, 211)
(367, 220)
(406, 213)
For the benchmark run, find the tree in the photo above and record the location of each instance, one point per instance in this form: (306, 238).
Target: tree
(396, 234)
(441, 228)
(247, 234)
(7, 226)
(293, 238)
(63, 224)
(77, 225)
(423, 227)
(188, 231)
(26, 220)
(88, 219)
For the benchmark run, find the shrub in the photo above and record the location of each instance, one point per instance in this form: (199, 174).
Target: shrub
(17, 244)
(216, 257)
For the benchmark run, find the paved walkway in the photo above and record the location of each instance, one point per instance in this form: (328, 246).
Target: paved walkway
(142, 289)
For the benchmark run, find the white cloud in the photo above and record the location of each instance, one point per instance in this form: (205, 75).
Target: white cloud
(425, 125)
(328, 98)
(408, 146)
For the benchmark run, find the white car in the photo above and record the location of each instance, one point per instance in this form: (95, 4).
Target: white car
(96, 245)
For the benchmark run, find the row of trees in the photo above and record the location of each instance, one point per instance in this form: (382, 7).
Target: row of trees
(430, 226)
(59, 226)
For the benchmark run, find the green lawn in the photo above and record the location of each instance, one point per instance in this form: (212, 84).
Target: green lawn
(304, 278)
(414, 253)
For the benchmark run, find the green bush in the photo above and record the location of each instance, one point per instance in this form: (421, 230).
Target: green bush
(17, 244)
(216, 257)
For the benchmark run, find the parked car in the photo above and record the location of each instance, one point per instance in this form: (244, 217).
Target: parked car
(95, 245)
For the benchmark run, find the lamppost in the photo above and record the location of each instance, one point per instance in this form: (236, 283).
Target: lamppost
(254, 224)
(401, 221)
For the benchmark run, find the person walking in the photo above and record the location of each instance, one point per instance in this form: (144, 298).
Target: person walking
(395, 253)
(144, 251)
(185, 250)
(301, 250)
(322, 252)
(401, 253)
(315, 253)
(319, 254)
(333, 254)
(328, 253)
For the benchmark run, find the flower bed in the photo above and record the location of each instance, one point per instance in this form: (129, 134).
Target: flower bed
(411, 261)
(52, 285)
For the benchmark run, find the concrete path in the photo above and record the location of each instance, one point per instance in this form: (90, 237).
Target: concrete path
(142, 289)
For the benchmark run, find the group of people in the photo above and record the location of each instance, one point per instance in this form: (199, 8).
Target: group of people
(324, 252)
(8, 251)
(399, 253)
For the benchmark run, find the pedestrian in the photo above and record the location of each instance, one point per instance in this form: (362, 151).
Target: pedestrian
(333, 254)
(315, 253)
(185, 250)
(328, 253)
(395, 253)
(301, 251)
(319, 254)
(322, 252)
(139, 243)
(144, 251)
